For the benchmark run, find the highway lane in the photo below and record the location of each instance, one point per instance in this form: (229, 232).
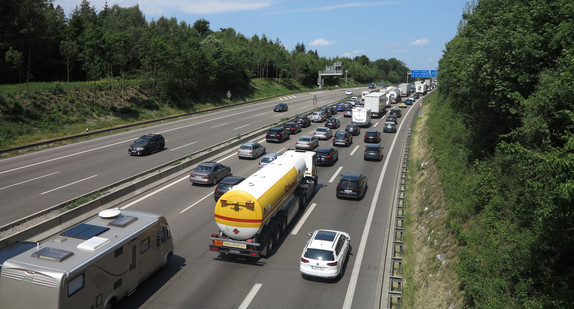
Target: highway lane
(36, 181)
(198, 278)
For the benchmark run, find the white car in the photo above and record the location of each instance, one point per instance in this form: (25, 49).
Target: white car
(323, 133)
(325, 254)
(349, 92)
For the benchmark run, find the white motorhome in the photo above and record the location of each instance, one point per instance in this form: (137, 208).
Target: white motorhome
(361, 116)
(93, 264)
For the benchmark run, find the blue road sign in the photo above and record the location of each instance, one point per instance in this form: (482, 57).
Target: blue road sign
(433, 73)
(419, 73)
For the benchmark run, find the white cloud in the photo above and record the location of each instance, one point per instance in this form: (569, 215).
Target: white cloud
(321, 42)
(420, 42)
(359, 51)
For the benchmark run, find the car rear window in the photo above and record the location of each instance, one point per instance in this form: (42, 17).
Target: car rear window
(267, 159)
(349, 184)
(318, 254)
(305, 139)
(341, 134)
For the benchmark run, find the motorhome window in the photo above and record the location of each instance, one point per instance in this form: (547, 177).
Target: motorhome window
(84, 231)
(75, 285)
(118, 252)
(144, 245)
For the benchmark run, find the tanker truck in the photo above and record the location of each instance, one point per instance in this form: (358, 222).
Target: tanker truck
(254, 215)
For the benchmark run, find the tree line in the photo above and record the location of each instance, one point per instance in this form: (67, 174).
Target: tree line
(507, 78)
(174, 59)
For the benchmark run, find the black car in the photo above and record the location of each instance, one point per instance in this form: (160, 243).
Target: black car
(416, 95)
(392, 118)
(352, 185)
(304, 121)
(147, 144)
(292, 127)
(353, 128)
(342, 138)
(395, 112)
(327, 155)
(281, 107)
(332, 123)
(372, 136)
(326, 110)
(333, 110)
(277, 134)
(390, 127)
(373, 152)
(225, 185)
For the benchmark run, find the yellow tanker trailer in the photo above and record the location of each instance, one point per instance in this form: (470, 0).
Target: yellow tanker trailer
(253, 215)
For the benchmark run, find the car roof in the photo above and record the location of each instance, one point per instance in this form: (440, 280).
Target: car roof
(323, 239)
(232, 180)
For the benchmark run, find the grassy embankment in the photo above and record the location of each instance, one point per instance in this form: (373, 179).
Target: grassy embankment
(37, 112)
(430, 263)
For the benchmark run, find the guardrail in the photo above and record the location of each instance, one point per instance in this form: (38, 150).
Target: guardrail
(57, 140)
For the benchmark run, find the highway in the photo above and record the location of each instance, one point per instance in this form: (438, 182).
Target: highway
(39, 180)
(196, 277)
(199, 278)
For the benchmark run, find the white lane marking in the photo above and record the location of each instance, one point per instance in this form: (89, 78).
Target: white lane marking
(72, 183)
(361, 252)
(220, 125)
(229, 156)
(176, 148)
(303, 219)
(153, 193)
(376, 123)
(249, 298)
(25, 181)
(336, 174)
(353, 152)
(243, 126)
(210, 194)
(63, 157)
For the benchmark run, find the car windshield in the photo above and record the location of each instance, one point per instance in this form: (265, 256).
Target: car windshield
(318, 254)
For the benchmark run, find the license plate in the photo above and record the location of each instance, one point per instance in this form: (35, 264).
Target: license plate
(234, 245)
(348, 191)
(317, 267)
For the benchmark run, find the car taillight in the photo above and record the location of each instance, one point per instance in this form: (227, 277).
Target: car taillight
(328, 157)
(356, 189)
(267, 134)
(366, 136)
(304, 260)
(339, 188)
(332, 264)
(277, 135)
(217, 191)
(191, 175)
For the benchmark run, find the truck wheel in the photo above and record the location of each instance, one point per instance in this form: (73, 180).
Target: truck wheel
(268, 243)
(282, 219)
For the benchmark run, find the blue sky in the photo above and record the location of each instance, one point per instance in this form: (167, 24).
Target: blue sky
(413, 31)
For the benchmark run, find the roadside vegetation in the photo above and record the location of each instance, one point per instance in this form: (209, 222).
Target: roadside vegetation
(500, 135)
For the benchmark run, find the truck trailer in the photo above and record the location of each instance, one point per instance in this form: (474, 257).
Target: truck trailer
(376, 103)
(421, 87)
(253, 215)
(405, 89)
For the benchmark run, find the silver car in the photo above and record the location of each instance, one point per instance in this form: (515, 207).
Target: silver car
(307, 143)
(251, 150)
(209, 173)
(318, 116)
(268, 158)
(323, 133)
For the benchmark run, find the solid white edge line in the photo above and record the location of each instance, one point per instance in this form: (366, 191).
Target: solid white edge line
(210, 194)
(153, 193)
(249, 298)
(335, 174)
(364, 237)
(303, 219)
